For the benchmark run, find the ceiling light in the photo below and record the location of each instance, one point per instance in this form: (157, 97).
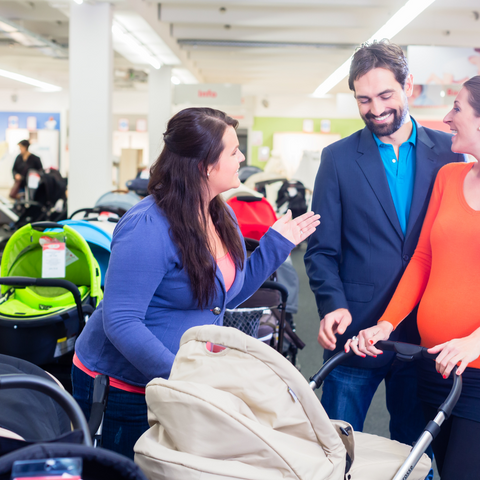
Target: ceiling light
(46, 87)
(78, 1)
(398, 22)
(134, 43)
(175, 80)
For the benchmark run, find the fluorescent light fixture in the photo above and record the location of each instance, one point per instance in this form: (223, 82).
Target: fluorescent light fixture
(175, 80)
(398, 22)
(46, 87)
(134, 43)
(78, 1)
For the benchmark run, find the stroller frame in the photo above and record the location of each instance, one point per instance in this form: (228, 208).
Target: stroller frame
(406, 353)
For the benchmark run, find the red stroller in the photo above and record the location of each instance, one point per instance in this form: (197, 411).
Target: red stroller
(254, 215)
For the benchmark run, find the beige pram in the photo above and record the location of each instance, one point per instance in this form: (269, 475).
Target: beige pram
(235, 408)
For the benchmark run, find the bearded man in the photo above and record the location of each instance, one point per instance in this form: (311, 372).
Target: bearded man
(372, 191)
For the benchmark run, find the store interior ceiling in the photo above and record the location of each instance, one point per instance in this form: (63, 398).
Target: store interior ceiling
(279, 47)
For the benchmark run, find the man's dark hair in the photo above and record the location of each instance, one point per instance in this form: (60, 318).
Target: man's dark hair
(382, 54)
(24, 143)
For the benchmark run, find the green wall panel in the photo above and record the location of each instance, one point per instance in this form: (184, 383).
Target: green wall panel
(271, 125)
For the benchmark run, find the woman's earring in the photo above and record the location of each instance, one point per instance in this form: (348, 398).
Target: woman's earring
(209, 174)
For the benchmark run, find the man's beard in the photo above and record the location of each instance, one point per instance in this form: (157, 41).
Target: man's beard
(386, 129)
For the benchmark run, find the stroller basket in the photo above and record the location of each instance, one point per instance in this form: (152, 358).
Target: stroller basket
(247, 320)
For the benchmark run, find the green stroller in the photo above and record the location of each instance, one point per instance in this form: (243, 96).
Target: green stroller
(40, 318)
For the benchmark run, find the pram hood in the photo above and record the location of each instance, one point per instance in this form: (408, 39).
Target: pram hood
(99, 240)
(247, 413)
(22, 258)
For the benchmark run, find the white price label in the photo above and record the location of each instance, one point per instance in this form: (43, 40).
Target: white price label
(53, 260)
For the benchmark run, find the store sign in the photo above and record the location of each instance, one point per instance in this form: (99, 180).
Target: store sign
(208, 94)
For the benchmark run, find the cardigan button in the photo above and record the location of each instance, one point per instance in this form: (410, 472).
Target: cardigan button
(406, 258)
(217, 310)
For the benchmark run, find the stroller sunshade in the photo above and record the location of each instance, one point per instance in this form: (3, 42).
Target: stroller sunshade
(40, 323)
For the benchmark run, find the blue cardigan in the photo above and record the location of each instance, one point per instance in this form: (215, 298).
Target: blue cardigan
(135, 332)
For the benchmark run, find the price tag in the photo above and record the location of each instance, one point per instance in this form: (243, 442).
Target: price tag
(53, 260)
(33, 180)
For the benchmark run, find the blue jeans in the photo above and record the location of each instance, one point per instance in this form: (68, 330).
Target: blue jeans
(348, 392)
(125, 416)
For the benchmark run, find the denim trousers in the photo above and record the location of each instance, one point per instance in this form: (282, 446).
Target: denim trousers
(125, 416)
(348, 392)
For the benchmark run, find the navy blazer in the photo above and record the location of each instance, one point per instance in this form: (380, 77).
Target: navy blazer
(358, 254)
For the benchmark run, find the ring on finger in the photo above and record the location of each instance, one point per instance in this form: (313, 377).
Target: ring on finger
(354, 338)
(301, 232)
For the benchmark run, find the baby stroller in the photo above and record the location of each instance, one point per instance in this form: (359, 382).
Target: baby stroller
(255, 215)
(118, 201)
(233, 408)
(139, 185)
(45, 198)
(39, 320)
(98, 237)
(36, 421)
(292, 195)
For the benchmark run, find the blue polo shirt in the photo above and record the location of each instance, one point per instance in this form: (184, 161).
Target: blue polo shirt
(400, 173)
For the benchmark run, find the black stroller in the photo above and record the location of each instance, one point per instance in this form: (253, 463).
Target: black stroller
(45, 198)
(36, 424)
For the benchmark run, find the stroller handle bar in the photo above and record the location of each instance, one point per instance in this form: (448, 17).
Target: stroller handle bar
(64, 399)
(277, 286)
(44, 225)
(46, 282)
(405, 352)
(96, 210)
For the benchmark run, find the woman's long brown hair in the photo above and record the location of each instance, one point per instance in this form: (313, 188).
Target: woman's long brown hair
(179, 184)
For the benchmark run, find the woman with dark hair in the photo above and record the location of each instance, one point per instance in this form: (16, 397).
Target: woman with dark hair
(178, 260)
(24, 162)
(443, 277)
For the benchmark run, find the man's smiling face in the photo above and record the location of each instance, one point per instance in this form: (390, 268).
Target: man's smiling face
(382, 101)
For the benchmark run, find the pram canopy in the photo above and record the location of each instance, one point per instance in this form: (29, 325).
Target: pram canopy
(99, 240)
(240, 410)
(23, 258)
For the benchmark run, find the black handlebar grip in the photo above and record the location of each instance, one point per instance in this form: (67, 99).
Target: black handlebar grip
(43, 225)
(47, 282)
(330, 365)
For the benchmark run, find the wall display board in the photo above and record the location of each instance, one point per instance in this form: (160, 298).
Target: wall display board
(443, 65)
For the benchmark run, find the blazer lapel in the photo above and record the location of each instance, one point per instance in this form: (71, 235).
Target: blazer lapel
(425, 165)
(372, 166)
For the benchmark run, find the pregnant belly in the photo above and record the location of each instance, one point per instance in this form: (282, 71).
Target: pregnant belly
(447, 313)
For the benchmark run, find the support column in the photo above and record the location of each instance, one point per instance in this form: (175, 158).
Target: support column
(159, 108)
(91, 82)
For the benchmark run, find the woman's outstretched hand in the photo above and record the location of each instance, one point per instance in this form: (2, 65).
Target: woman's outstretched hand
(298, 229)
(459, 350)
(364, 344)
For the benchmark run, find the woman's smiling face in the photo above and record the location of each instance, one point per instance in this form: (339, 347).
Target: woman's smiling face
(464, 125)
(224, 175)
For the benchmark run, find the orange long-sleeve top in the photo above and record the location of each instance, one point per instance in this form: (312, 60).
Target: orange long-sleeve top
(444, 273)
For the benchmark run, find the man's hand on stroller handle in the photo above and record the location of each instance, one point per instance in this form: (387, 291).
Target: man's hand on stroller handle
(297, 229)
(364, 344)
